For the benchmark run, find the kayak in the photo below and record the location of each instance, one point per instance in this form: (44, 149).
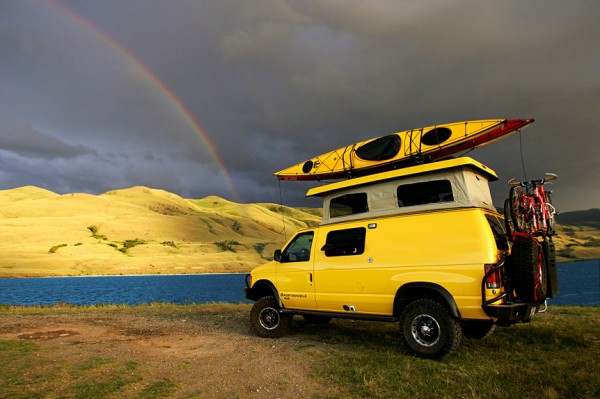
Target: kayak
(403, 149)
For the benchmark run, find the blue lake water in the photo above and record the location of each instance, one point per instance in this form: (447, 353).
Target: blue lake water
(132, 290)
(579, 285)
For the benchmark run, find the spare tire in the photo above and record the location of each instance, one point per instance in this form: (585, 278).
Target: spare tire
(526, 272)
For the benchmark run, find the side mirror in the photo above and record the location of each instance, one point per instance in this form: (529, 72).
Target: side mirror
(277, 255)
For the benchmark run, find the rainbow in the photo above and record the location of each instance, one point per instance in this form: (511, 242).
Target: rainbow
(154, 80)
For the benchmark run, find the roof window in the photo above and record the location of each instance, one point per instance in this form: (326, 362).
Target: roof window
(429, 192)
(348, 204)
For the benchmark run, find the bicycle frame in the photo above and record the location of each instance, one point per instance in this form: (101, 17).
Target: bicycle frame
(529, 209)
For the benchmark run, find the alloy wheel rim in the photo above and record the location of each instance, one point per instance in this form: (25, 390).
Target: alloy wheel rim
(269, 318)
(425, 330)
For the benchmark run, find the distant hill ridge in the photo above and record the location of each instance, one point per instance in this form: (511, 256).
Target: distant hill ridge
(141, 230)
(590, 217)
(26, 193)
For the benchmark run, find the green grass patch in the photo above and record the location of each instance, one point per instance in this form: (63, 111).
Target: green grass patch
(19, 367)
(259, 247)
(128, 244)
(31, 372)
(284, 210)
(94, 230)
(159, 389)
(567, 253)
(55, 248)
(14, 350)
(228, 245)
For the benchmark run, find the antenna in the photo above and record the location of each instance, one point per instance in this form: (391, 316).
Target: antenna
(522, 158)
(281, 208)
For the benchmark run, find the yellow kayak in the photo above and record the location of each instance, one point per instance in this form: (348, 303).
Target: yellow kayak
(402, 149)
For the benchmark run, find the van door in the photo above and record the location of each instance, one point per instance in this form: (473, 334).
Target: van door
(295, 273)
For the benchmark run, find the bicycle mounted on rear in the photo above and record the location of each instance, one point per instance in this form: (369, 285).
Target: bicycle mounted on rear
(529, 207)
(529, 217)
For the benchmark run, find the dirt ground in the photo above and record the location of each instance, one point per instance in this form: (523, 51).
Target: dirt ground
(203, 351)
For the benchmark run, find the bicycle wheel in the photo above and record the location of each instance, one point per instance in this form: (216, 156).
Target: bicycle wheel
(508, 217)
(516, 209)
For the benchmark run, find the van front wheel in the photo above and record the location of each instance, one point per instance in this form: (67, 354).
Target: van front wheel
(429, 330)
(267, 320)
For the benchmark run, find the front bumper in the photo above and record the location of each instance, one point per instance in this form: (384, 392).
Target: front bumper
(247, 289)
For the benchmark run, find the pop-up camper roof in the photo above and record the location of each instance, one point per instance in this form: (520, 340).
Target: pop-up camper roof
(454, 183)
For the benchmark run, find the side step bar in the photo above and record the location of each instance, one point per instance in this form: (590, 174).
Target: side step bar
(348, 315)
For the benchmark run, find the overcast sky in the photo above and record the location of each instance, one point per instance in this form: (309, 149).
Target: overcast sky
(211, 97)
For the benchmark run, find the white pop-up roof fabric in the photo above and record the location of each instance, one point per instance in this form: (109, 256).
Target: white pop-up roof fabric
(469, 189)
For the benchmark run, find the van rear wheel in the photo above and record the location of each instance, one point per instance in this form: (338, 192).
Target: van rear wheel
(267, 320)
(428, 329)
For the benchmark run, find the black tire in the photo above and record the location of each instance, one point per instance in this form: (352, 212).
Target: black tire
(267, 320)
(478, 329)
(428, 329)
(528, 277)
(316, 319)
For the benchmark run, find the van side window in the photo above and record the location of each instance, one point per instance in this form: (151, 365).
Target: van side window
(299, 248)
(499, 234)
(429, 192)
(348, 204)
(345, 242)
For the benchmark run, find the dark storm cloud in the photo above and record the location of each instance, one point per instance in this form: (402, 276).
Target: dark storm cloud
(25, 141)
(272, 83)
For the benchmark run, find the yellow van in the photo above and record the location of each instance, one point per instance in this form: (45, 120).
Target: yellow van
(422, 245)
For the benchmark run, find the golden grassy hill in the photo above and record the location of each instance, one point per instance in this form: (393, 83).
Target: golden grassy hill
(577, 242)
(146, 231)
(137, 231)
